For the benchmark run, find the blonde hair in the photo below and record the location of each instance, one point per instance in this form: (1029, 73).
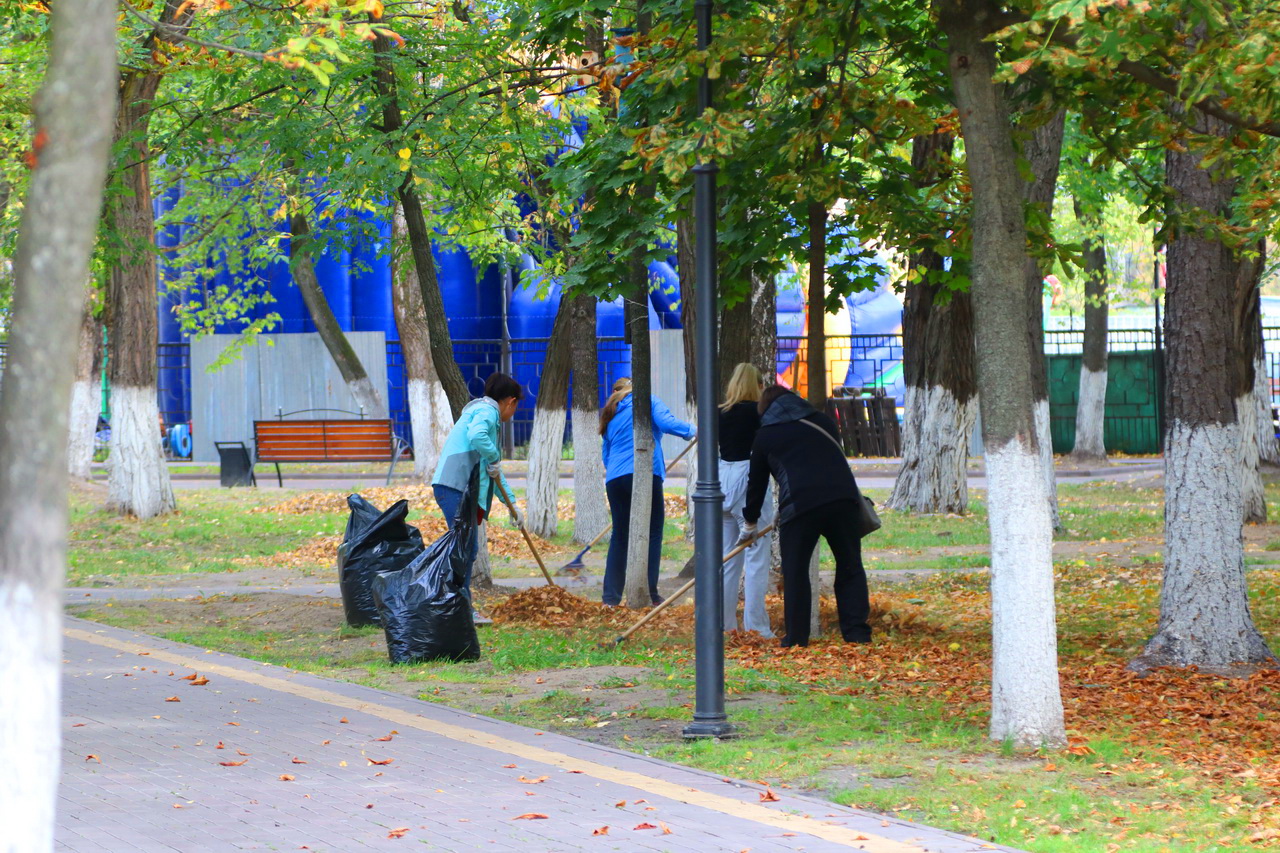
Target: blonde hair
(621, 388)
(744, 386)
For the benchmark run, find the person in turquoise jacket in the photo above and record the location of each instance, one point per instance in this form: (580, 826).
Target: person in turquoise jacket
(475, 440)
(618, 449)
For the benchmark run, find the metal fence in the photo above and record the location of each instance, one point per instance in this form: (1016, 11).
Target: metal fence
(854, 362)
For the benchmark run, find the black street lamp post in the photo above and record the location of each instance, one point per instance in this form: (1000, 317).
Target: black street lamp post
(709, 719)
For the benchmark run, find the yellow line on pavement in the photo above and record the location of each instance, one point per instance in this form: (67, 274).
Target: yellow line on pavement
(692, 796)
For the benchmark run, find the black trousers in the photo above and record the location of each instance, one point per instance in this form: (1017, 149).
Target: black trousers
(615, 565)
(797, 538)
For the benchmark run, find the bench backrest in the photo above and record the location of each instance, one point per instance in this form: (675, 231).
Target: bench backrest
(324, 440)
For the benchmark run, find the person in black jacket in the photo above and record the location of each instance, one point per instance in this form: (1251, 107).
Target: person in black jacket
(800, 447)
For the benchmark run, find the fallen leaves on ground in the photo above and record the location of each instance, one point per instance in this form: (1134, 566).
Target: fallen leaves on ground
(92, 757)
(537, 781)
(172, 699)
(233, 763)
(285, 777)
(604, 830)
(645, 826)
(398, 833)
(199, 682)
(768, 796)
(383, 763)
(530, 816)
(297, 760)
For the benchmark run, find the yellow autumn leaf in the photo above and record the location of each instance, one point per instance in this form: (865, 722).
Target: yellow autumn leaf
(404, 153)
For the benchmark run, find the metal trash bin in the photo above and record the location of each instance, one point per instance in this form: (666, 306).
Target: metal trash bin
(235, 467)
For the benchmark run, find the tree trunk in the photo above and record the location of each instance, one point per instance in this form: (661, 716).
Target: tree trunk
(1044, 152)
(816, 378)
(1248, 331)
(138, 480)
(455, 387)
(73, 115)
(763, 351)
(1090, 410)
(686, 245)
(1204, 603)
(546, 443)
(429, 415)
(85, 394)
(1268, 447)
(335, 340)
(636, 588)
(591, 509)
(938, 368)
(1026, 704)
(735, 339)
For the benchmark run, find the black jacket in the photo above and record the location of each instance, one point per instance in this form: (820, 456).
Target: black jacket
(811, 469)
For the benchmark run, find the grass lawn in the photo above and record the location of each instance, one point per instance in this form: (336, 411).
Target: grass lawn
(1177, 761)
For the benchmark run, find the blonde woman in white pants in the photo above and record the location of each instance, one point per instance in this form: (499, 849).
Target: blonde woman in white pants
(739, 421)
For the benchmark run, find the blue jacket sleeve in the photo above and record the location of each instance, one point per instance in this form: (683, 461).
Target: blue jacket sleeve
(665, 422)
(479, 438)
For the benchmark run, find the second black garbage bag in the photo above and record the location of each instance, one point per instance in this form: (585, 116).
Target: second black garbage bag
(374, 542)
(424, 609)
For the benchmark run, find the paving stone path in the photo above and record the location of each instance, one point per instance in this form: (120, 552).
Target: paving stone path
(307, 763)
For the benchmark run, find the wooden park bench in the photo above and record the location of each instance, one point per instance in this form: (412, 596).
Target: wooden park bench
(357, 439)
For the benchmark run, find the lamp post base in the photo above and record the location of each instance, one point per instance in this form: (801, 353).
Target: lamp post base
(700, 729)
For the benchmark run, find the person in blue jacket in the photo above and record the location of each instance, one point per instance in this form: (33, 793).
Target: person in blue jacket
(475, 440)
(618, 449)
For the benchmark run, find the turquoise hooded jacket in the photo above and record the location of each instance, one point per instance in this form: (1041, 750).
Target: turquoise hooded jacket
(475, 438)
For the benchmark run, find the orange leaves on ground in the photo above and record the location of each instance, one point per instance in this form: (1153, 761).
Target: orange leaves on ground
(666, 830)
(199, 682)
(768, 796)
(220, 745)
(644, 826)
(297, 760)
(172, 699)
(604, 830)
(233, 763)
(344, 720)
(537, 781)
(92, 757)
(398, 833)
(242, 752)
(383, 739)
(285, 777)
(233, 723)
(530, 816)
(620, 804)
(383, 763)
(509, 766)
(192, 677)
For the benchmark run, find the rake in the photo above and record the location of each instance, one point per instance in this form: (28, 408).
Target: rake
(576, 563)
(506, 499)
(675, 596)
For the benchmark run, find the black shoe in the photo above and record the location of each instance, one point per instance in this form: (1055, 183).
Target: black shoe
(788, 645)
(858, 638)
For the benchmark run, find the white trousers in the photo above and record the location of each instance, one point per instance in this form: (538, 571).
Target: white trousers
(756, 559)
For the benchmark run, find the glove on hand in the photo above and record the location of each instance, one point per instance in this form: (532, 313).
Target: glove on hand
(495, 471)
(746, 533)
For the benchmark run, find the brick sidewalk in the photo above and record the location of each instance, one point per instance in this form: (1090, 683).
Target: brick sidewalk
(370, 765)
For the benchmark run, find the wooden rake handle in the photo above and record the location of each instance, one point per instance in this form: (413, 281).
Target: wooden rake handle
(506, 499)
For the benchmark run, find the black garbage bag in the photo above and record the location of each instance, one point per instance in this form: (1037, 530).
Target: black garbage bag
(424, 609)
(374, 542)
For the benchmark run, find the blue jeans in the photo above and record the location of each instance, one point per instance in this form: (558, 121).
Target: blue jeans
(449, 499)
(615, 565)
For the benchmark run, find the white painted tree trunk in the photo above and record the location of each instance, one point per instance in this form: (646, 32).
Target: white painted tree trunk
(935, 452)
(1252, 492)
(366, 397)
(84, 418)
(1026, 704)
(60, 216)
(1090, 416)
(1268, 447)
(1045, 439)
(1204, 603)
(542, 489)
(431, 419)
(84, 401)
(635, 590)
(138, 480)
(590, 507)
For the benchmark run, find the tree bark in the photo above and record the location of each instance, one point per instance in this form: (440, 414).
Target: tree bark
(590, 514)
(1204, 603)
(85, 397)
(1044, 152)
(763, 351)
(735, 339)
(816, 378)
(73, 118)
(636, 588)
(1091, 406)
(1248, 315)
(429, 415)
(546, 443)
(938, 369)
(455, 387)
(686, 245)
(335, 340)
(1026, 703)
(138, 480)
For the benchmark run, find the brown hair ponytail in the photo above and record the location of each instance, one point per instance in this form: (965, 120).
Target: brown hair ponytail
(621, 389)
